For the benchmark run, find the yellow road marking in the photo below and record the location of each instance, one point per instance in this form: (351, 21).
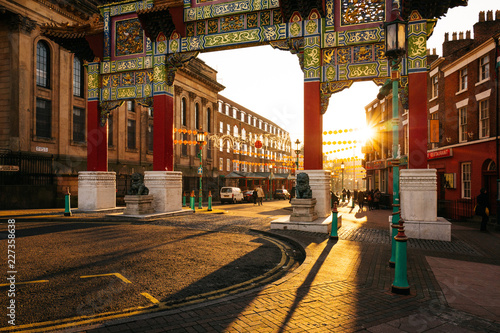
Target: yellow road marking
(151, 298)
(118, 275)
(27, 282)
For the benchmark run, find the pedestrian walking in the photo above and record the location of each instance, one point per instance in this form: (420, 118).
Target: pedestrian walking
(260, 195)
(254, 196)
(344, 192)
(370, 199)
(292, 194)
(348, 195)
(361, 198)
(376, 198)
(482, 208)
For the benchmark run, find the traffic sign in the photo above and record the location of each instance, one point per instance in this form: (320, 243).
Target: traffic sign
(200, 170)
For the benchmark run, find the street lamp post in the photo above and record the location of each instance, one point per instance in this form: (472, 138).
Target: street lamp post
(297, 153)
(342, 166)
(200, 138)
(395, 49)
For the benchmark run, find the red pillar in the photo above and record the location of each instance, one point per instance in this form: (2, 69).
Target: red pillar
(97, 139)
(163, 133)
(417, 120)
(313, 127)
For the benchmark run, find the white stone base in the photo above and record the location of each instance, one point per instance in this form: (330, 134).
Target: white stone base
(96, 190)
(322, 225)
(166, 187)
(319, 181)
(435, 230)
(138, 204)
(303, 210)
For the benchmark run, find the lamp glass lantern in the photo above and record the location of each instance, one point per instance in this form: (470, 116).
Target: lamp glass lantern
(395, 38)
(200, 137)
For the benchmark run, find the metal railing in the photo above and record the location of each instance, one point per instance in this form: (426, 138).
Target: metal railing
(31, 169)
(457, 210)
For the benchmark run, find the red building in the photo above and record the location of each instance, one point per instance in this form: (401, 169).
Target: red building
(463, 114)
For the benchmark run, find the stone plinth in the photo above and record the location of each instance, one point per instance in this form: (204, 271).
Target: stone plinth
(321, 225)
(319, 181)
(303, 210)
(138, 205)
(96, 190)
(166, 188)
(419, 205)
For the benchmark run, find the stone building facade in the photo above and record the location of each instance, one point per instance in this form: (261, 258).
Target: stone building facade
(43, 104)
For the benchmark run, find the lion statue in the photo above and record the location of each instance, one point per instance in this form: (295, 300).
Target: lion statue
(137, 187)
(302, 188)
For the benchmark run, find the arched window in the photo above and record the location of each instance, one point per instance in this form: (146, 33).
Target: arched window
(42, 65)
(77, 77)
(209, 120)
(183, 112)
(197, 116)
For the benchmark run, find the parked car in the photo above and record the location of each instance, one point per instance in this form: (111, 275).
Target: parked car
(248, 196)
(231, 194)
(282, 194)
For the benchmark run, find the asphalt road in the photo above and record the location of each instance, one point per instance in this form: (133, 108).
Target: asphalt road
(74, 270)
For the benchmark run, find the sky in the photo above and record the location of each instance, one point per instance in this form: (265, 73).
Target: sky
(270, 82)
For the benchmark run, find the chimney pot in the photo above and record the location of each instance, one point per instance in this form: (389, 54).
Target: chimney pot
(481, 16)
(454, 36)
(467, 34)
(489, 15)
(446, 36)
(461, 35)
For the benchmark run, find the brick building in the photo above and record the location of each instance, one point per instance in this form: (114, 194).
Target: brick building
(463, 99)
(463, 113)
(43, 130)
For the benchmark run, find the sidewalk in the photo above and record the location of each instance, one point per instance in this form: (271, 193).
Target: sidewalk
(344, 286)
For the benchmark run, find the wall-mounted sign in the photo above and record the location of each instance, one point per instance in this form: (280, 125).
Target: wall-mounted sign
(42, 149)
(448, 152)
(9, 168)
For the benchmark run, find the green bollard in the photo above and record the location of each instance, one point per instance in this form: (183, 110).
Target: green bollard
(67, 204)
(400, 285)
(333, 233)
(191, 201)
(209, 201)
(184, 200)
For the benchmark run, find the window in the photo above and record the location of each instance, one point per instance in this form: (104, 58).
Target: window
(130, 106)
(151, 112)
(484, 119)
(462, 125)
(242, 117)
(463, 80)
(484, 68)
(131, 134)
(434, 86)
(235, 113)
(228, 165)
(183, 112)
(228, 147)
(221, 164)
(77, 77)
(184, 149)
(235, 131)
(221, 127)
(150, 137)
(209, 148)
(78, 124)
(220, 106)
(42, 65)
(228, 129)
(197, 116)
(466, 180)
(221, 145)
(110, 130)
(209, 120)
(43, 118)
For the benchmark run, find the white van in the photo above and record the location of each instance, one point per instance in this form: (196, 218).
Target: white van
(231, 194)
